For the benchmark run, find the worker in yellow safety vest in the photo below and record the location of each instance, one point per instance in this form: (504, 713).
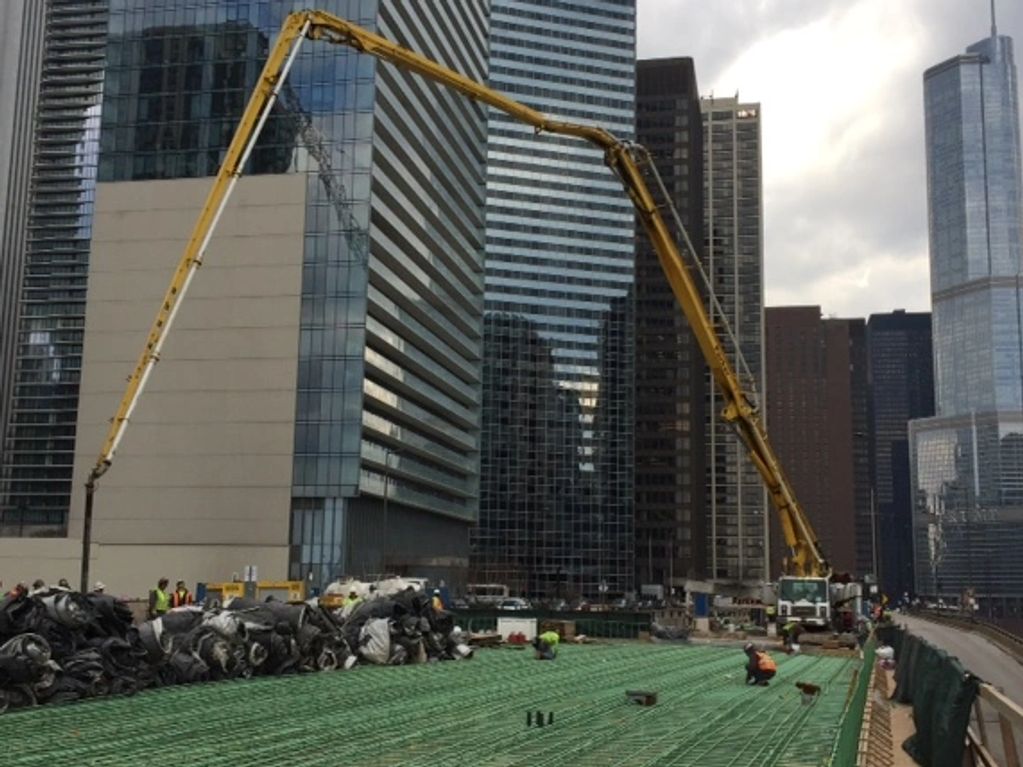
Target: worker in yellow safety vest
(159, 600)
(760, 667)
(546, 645)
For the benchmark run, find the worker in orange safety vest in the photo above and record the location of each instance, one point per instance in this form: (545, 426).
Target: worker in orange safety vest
(181, 595)
(760, 667)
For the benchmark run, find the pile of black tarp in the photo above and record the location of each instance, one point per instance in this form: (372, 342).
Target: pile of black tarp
(62, 646)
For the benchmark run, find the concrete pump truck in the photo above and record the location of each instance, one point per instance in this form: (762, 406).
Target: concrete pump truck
(803, 590)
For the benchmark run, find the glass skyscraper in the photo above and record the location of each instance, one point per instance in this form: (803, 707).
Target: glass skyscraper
(378, 358)
(671, 375)
(734, 262)
(967, 461)
(556, 495)
(901, 389)
(50, 281)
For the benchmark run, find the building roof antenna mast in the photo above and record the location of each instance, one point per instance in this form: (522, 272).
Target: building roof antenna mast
(994, 26)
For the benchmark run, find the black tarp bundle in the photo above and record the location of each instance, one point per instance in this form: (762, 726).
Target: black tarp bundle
(61, 646)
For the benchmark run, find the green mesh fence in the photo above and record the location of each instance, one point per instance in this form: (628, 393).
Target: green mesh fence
(847, 745)
(462, 713)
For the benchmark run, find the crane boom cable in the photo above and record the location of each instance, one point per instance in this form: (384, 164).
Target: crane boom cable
(694, 260)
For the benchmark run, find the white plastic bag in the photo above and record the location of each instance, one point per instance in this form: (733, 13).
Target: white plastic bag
(375, 641)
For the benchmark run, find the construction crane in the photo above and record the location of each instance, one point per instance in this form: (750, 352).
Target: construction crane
(806, 566)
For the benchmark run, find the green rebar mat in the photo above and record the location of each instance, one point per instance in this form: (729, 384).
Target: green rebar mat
(462, 713)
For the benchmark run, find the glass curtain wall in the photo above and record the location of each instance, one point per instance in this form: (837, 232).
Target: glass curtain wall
(556, 496)
(967, 505)
(38, 454)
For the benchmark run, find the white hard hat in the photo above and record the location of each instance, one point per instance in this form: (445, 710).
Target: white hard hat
(99, 586)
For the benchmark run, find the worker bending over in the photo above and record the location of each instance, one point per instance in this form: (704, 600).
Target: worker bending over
(546, 645)
(760, 667)
(790, 634)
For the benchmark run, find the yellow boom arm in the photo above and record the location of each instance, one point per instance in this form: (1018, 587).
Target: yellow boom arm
(805, 555)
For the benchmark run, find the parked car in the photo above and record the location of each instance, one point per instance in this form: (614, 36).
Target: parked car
(513, 603)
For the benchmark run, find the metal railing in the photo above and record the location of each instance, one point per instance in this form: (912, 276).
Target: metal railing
(980, 745)
(1010, 722)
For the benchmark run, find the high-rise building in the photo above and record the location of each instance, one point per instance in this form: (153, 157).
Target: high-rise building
(734, 262)
(49, 278)
(901, 382)
(818, 414)
(556, 495)
(316, 408)
(670, 372)
(21, 44)
(967, 461)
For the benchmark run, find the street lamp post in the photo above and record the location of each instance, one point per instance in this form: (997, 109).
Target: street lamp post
(873, 539)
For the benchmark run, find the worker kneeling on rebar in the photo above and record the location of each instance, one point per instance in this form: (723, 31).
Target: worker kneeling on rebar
(546, 645)
(760, 667)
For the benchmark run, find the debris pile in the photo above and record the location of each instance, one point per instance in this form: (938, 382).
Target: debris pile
(661, 633)
(61, 645)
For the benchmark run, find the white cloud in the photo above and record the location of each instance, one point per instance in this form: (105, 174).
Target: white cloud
(840, 83)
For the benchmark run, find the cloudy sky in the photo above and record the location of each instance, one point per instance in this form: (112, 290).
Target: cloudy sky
(840, 83)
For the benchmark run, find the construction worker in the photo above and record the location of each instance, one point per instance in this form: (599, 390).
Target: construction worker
(790, 634)
(760, 667)
(181, 595)
(19, 590)
(437, 602)
(546, 645)
(159, 600)
(99, 588)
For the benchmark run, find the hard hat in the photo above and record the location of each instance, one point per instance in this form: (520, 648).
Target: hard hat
(100, 586)
(436, 591)
(749, 646)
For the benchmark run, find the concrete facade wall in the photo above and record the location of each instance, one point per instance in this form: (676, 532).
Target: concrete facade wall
(201, 483)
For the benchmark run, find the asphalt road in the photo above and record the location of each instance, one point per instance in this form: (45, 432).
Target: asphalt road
(980, 657)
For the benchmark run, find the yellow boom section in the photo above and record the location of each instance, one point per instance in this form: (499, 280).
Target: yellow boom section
(805, 555)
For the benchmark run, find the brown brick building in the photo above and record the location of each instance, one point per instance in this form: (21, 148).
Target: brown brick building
(817, 418)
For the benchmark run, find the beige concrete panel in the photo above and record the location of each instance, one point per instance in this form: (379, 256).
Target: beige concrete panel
(136, 290)
(171, 437)
(150, 466)
(184, 408)
(22, 560)
(239, 312)
(201, 376)
(121, 255)
(192, 515)
(131, 570)
(230, 528)
(210, 461)
(175, 224)
(202, 344)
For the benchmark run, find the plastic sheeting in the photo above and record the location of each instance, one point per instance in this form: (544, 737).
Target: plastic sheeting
(62, 646)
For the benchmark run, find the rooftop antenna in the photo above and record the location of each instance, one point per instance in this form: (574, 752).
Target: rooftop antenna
(994, 26)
